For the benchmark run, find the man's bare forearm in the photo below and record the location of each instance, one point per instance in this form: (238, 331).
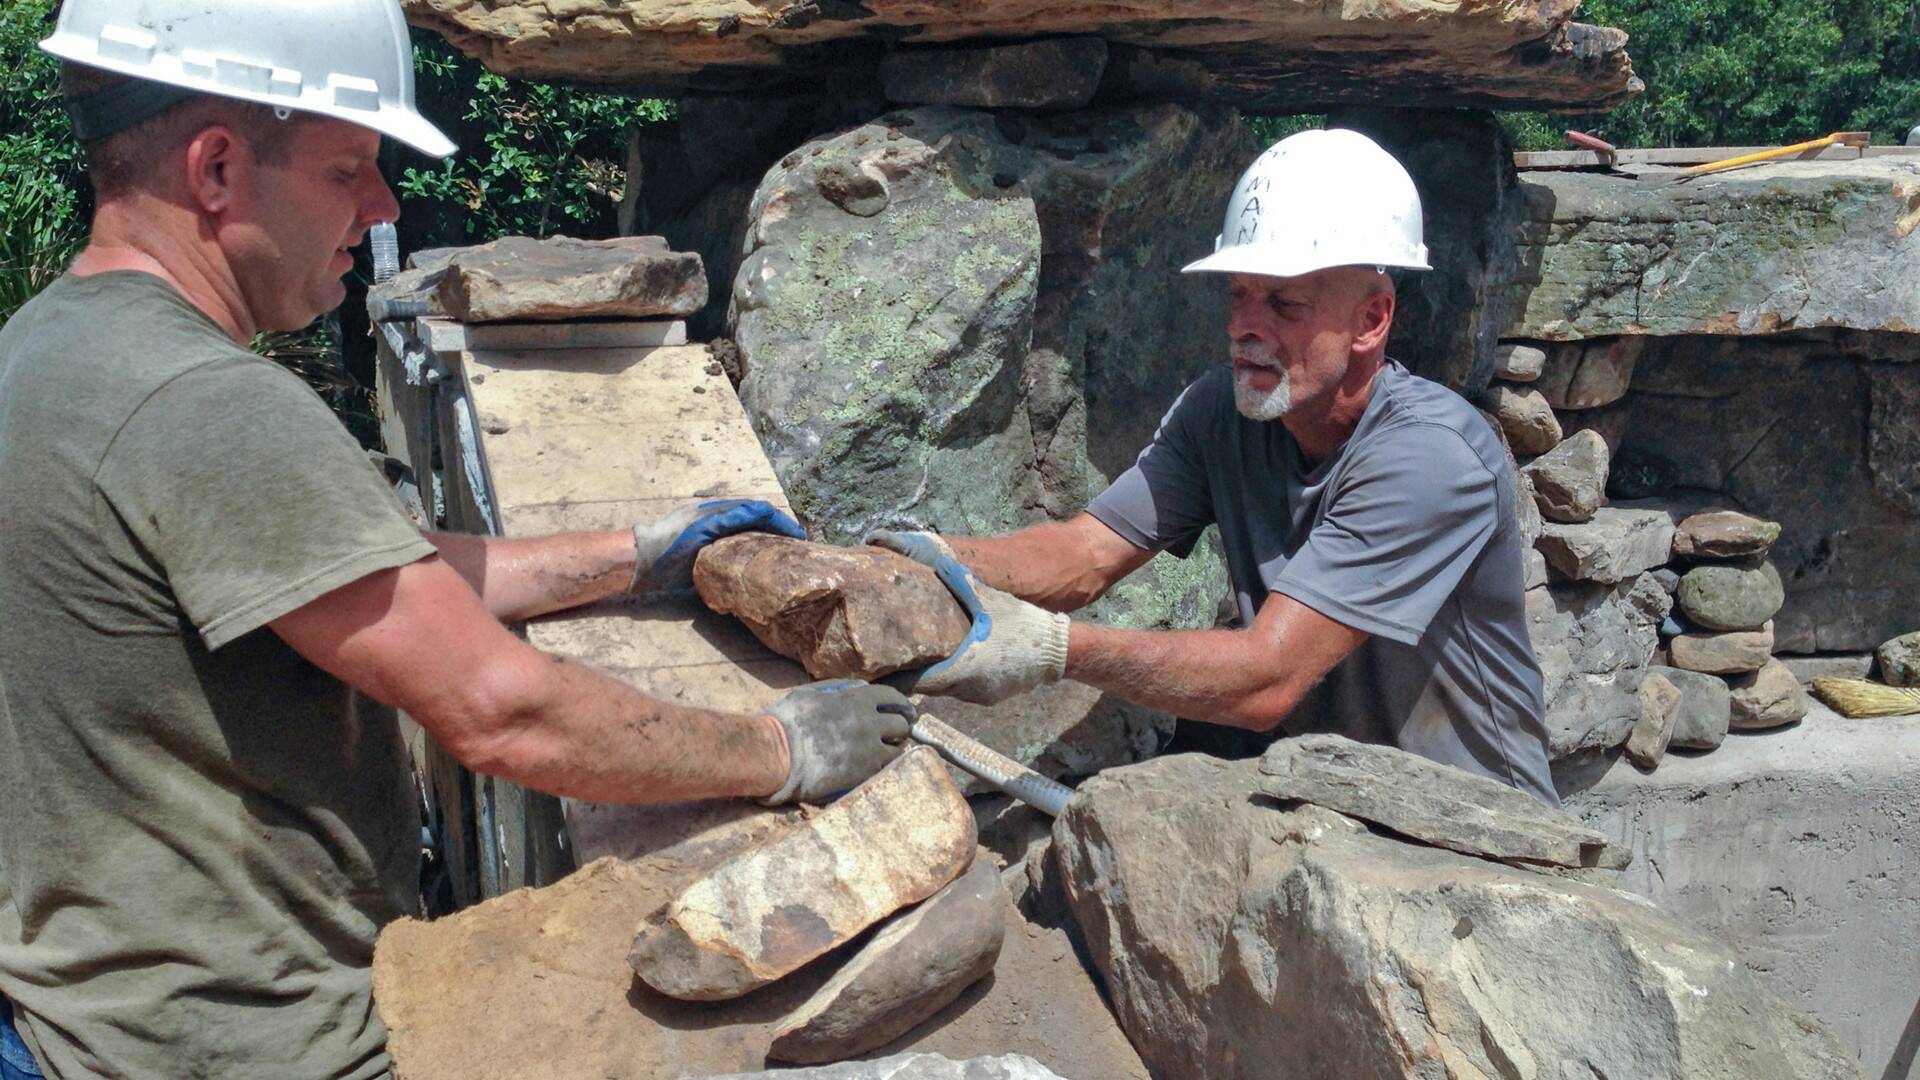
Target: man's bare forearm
(580, 734)
(1220, 676)
(1057, 565)
(520, 579)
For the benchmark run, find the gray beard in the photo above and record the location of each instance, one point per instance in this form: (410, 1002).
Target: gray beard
(1261, 405)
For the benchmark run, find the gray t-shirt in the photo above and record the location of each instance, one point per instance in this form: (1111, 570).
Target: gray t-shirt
(1408, 533)
(201, 834)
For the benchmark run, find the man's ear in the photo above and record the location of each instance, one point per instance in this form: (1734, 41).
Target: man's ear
(217, 162)
(1375, 318)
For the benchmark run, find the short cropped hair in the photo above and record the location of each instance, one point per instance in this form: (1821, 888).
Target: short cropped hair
(128, 159)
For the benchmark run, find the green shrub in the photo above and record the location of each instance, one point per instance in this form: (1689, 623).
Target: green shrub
(42, 219)
(1753, 72)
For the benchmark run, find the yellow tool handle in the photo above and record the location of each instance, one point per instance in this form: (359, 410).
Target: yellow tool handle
(1851, 138)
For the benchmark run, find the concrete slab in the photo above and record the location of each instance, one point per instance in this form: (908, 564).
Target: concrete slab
(1800, 846)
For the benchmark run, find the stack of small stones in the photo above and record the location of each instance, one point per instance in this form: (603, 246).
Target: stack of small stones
(1715, 670)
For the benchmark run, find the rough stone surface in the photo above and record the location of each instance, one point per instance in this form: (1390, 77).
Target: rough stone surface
(1767, 698)
(1518, 363)
(1899, 660)
(1724, 652)
(1831, 665)
(1570, 481)
(1610, 422)
(1438, 804)
(1723, 534)
(535, 964)
(914, 1067)
(1773, 427)
(1729, 596)
(894, 840)
(1615, 545)
(1055, 73)
(1705, 708)
(1508, 54)
(993, 347)
(1893, 437)
(843, 612)
(519, 277)
(914, 966)
(1750, 251)
(1590, 374)
(1536, 568)
(1525, 417)
(1659, 705)
(1446, 323)
(1239, 939)
(1795, 847)
(1593, 643)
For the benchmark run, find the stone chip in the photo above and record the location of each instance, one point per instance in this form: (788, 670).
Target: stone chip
(518, 277)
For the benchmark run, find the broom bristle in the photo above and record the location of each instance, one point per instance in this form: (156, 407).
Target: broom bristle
(1862, 698)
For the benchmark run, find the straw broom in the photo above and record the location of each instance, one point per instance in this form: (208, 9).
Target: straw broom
(1861, 697)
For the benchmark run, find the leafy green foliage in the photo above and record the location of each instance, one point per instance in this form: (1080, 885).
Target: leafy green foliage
(41, 211)
(537, 158)
(1271, 129)
(1754, 72)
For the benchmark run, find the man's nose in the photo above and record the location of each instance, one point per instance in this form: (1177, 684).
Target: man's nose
(1240, 321)
(380, 204)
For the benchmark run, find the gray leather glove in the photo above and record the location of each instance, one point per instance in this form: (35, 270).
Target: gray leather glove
(839, 733)
(664, 549)
(1012, 647)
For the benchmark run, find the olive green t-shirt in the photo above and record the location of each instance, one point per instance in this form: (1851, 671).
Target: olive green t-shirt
(201, 833)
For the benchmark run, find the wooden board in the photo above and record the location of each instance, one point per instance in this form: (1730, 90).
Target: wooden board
(1696, 155)
(597, 439)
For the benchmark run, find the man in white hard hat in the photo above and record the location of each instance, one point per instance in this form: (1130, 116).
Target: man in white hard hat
(202, 825)
(1367, 514)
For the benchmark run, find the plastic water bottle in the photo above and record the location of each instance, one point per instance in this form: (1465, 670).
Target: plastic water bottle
(385, 243)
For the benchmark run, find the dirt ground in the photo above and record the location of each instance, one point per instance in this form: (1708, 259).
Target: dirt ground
(536, 983)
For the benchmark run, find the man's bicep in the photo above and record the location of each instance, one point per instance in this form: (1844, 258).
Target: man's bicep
(416, 637)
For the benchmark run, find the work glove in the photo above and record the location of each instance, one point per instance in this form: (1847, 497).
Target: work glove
(838, 733)
(1011, 647)
(664, 549)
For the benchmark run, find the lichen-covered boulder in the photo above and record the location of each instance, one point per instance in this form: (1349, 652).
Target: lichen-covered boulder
(969, 323)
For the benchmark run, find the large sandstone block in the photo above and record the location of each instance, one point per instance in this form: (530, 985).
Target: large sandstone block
(843, 612)
(912, 968)
(1241, 940)
(894, 840)
(1439, 804)
(1505, 54)
(519, 277)
(547, 970)
(1614, 545)
(1752, 251)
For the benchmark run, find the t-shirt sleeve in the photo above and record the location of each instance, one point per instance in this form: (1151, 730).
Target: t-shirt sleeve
(1165, 500)
(250, 496)
(1409, 518)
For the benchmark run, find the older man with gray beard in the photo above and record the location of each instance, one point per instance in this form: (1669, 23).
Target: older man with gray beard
(1367, 514)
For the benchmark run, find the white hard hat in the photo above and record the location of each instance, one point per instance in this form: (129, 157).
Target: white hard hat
(1319, 199)
(348, 59)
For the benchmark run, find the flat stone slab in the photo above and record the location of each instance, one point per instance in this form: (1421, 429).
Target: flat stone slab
(1724, 652)
(1511, 54)
(913, 967)
(1435, 803)
(1723, 534)
(520, 278)
(856, 612)
(1614, 546)
(894, 840)
(1758, 250)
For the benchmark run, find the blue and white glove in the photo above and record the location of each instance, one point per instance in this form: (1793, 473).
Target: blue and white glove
(1012, 646)
(664, 549)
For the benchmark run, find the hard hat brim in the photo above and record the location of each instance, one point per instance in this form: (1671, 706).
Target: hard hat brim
(1255, 259)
